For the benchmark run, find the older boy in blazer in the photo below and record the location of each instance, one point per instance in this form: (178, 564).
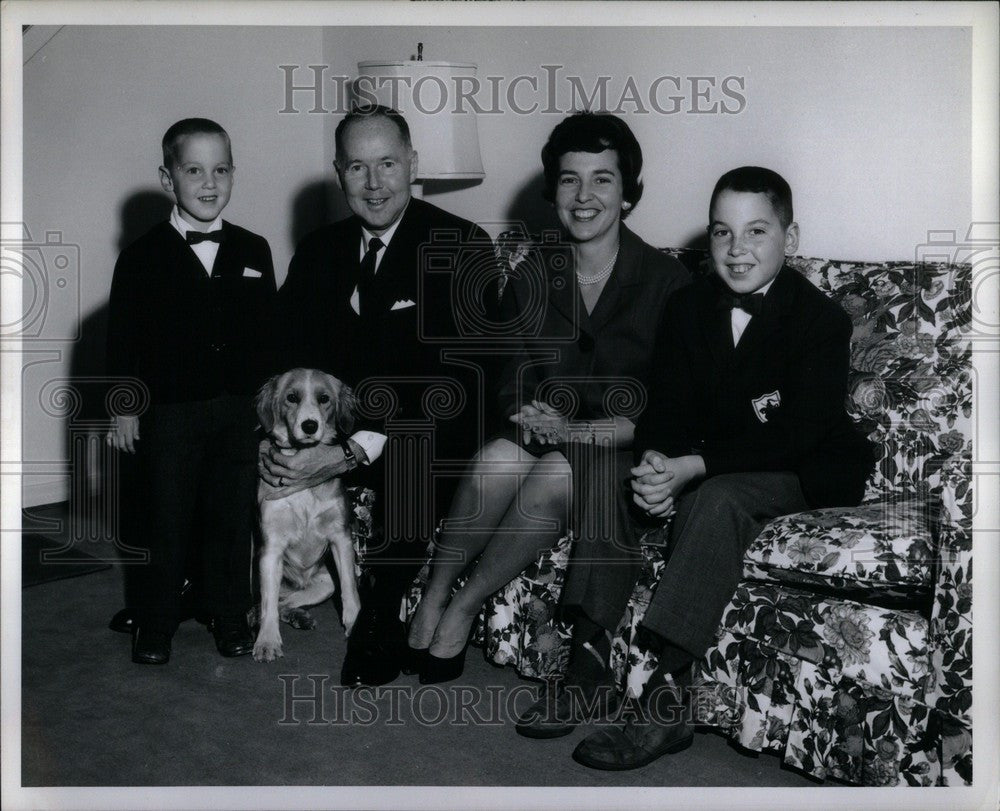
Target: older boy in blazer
(745, 422)
(362, 302)
(190, 316)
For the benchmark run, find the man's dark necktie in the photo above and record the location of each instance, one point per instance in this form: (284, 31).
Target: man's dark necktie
(366, 276)
(194, 237)
(751, 303)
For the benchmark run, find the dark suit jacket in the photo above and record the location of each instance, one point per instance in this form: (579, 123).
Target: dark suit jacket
(429, 254)
(597, 352)
(774, 402)
(189, 336)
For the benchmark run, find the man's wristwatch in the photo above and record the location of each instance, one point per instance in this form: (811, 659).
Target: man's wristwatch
(349, 457)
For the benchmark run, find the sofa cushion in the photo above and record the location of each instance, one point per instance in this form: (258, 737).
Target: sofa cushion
(882, 549)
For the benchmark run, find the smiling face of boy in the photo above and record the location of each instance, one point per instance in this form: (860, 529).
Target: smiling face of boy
(747, 241)
(200, 178)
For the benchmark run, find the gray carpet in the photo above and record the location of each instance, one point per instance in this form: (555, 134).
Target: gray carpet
(92, 718)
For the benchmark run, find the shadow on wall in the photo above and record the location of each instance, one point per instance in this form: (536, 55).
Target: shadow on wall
(531, 208)
(317, 203)
(90, 482)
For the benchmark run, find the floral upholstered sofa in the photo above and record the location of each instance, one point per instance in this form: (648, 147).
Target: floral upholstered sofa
(847, 647)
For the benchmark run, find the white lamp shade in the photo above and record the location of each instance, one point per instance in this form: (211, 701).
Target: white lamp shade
(426, 93)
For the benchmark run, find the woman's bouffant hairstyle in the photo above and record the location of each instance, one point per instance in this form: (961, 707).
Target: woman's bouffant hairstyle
(594, 132)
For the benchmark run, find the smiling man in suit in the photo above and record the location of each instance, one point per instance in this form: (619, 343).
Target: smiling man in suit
(361, 302)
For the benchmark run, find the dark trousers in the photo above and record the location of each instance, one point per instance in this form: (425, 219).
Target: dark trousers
(198, 462)
(409, 501)
(714, 524)
(605, 560)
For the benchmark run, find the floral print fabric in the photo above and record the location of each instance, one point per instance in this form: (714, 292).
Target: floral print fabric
(847, 646)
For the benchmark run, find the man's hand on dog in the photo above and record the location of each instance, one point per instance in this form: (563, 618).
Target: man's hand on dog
(124, 435)
(306, 468)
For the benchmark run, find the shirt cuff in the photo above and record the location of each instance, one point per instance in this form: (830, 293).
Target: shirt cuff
(371, 443)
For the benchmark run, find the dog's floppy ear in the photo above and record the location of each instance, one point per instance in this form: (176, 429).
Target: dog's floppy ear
(266, 403)
(347, 408)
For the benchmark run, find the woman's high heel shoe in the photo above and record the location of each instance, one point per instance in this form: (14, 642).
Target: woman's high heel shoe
(414, 660)
(437, 670)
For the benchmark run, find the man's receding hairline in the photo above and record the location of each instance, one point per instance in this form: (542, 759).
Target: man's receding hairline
(370, 119)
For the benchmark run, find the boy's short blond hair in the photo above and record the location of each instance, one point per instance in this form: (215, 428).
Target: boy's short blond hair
(186, 127)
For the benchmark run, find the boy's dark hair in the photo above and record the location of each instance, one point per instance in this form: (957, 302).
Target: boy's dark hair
(371, 111)
(758, 180)
(594, 132)
(190, 126)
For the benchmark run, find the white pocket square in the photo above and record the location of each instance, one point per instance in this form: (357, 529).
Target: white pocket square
(250, 273)
(403, 304)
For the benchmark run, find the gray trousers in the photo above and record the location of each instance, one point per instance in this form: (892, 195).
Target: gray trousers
(714, 524)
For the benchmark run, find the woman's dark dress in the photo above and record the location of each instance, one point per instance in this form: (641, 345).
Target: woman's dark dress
(591, 368)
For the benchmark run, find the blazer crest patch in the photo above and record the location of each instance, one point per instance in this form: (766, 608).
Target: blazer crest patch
(765, 405)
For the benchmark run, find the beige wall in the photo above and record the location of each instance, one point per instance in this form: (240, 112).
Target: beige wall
(96, 103)
(870, 126)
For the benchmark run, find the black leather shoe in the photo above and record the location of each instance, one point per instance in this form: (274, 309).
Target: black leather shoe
(437, 670)
(375, 649)
(232, 636)
(122, 622)
(150, 647)
(414, 660)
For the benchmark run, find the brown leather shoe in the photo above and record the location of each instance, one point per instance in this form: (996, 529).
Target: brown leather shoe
(660, 728)
(560, 707)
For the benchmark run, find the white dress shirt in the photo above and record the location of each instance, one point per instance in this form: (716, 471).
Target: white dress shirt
(740, 318)
(366, 237)
(205, 251)
(371, 441)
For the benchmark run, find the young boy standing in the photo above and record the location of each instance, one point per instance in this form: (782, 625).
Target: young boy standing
(190, 315)
(745, 422)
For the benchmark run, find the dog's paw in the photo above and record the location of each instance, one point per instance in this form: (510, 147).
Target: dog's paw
(267, 649)
(298, 618)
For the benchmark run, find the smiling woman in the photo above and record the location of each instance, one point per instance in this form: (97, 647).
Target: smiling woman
(607, 292)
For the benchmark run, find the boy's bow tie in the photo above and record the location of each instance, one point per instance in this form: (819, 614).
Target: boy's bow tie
(751, 303)
(194, 237)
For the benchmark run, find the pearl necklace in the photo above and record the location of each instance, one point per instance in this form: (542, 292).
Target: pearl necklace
(600, 277)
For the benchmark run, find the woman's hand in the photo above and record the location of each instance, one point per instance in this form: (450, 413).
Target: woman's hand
(124, 434)
(542, 424)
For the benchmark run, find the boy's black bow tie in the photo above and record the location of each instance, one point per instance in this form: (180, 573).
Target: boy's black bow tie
(752, 303)
(194, 237)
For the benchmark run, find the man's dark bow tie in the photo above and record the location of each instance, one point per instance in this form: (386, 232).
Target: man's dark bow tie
(751, 303)
(194, 237)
